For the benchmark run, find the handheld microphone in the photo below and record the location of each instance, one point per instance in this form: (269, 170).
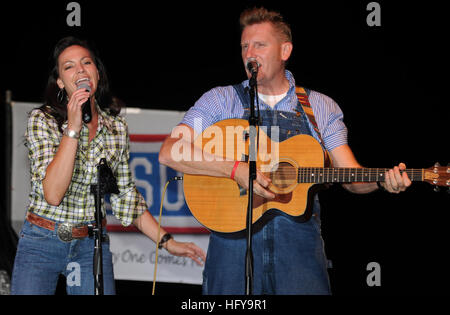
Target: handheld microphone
(252, 66)
(86, 107)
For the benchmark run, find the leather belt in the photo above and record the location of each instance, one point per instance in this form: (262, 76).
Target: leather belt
(66, 231)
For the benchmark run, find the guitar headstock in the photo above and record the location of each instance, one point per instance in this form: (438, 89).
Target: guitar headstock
(437, 175)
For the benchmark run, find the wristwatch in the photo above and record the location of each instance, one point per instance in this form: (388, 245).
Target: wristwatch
(164, 240)
(71, 133)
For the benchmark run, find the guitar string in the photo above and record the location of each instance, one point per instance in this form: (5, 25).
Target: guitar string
(317, 174)
(349, 174)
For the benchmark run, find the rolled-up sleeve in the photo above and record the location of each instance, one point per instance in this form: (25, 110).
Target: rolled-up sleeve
(42, 143)
(129, 204)
(330, 120)
(209, 109)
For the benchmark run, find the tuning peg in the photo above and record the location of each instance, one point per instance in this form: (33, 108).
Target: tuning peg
(436, 166)
(437, 189)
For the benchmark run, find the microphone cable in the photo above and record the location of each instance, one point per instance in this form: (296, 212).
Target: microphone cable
(159, 228)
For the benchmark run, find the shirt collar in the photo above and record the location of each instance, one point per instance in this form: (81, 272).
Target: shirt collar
(288, 76)
(105, 120)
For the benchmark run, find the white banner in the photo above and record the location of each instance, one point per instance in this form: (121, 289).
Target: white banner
(134, 259)
(134, 253)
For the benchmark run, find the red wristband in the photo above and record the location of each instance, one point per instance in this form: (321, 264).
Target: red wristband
(234, 169)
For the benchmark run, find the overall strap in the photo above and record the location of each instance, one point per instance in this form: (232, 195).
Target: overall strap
(302, 96)
(243, 95)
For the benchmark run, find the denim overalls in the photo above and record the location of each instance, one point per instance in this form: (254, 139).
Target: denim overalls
(288, 255)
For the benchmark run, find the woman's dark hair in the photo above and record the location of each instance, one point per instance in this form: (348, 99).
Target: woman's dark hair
(56, 104)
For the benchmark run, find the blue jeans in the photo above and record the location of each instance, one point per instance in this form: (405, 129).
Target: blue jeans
(288, 258)
(41, 257)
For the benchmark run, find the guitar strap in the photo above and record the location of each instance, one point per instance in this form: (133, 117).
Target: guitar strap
(302, 96)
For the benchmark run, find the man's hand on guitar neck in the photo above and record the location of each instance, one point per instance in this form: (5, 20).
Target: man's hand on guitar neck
(396, 182)
(260, 185)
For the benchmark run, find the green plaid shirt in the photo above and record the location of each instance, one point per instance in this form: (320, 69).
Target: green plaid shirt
(78, 205)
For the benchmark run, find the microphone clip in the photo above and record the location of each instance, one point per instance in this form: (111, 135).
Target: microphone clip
(252, 67)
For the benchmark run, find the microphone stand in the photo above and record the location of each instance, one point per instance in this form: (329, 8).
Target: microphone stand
(106, 183)
(252, 151)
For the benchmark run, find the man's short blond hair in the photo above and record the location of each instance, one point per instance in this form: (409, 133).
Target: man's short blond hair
(261, 15)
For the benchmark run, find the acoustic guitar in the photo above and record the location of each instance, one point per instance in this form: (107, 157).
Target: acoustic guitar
(296, 167)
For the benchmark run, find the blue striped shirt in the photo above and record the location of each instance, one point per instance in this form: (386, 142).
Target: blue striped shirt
(223, 103)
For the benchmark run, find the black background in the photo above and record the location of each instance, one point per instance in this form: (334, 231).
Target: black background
(389, 81)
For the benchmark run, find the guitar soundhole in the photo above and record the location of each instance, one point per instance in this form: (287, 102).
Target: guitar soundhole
(284, 176)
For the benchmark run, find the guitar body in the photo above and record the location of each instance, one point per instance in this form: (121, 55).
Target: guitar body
(221, 205)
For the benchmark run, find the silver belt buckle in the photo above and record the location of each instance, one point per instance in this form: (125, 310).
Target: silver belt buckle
(65, 232)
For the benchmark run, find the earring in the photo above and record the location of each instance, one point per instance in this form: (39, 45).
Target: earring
(60, 95)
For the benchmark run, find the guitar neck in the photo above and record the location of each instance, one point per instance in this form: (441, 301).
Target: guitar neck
(322, 175)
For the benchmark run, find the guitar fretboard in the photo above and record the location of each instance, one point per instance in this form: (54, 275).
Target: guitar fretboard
(349, 175)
